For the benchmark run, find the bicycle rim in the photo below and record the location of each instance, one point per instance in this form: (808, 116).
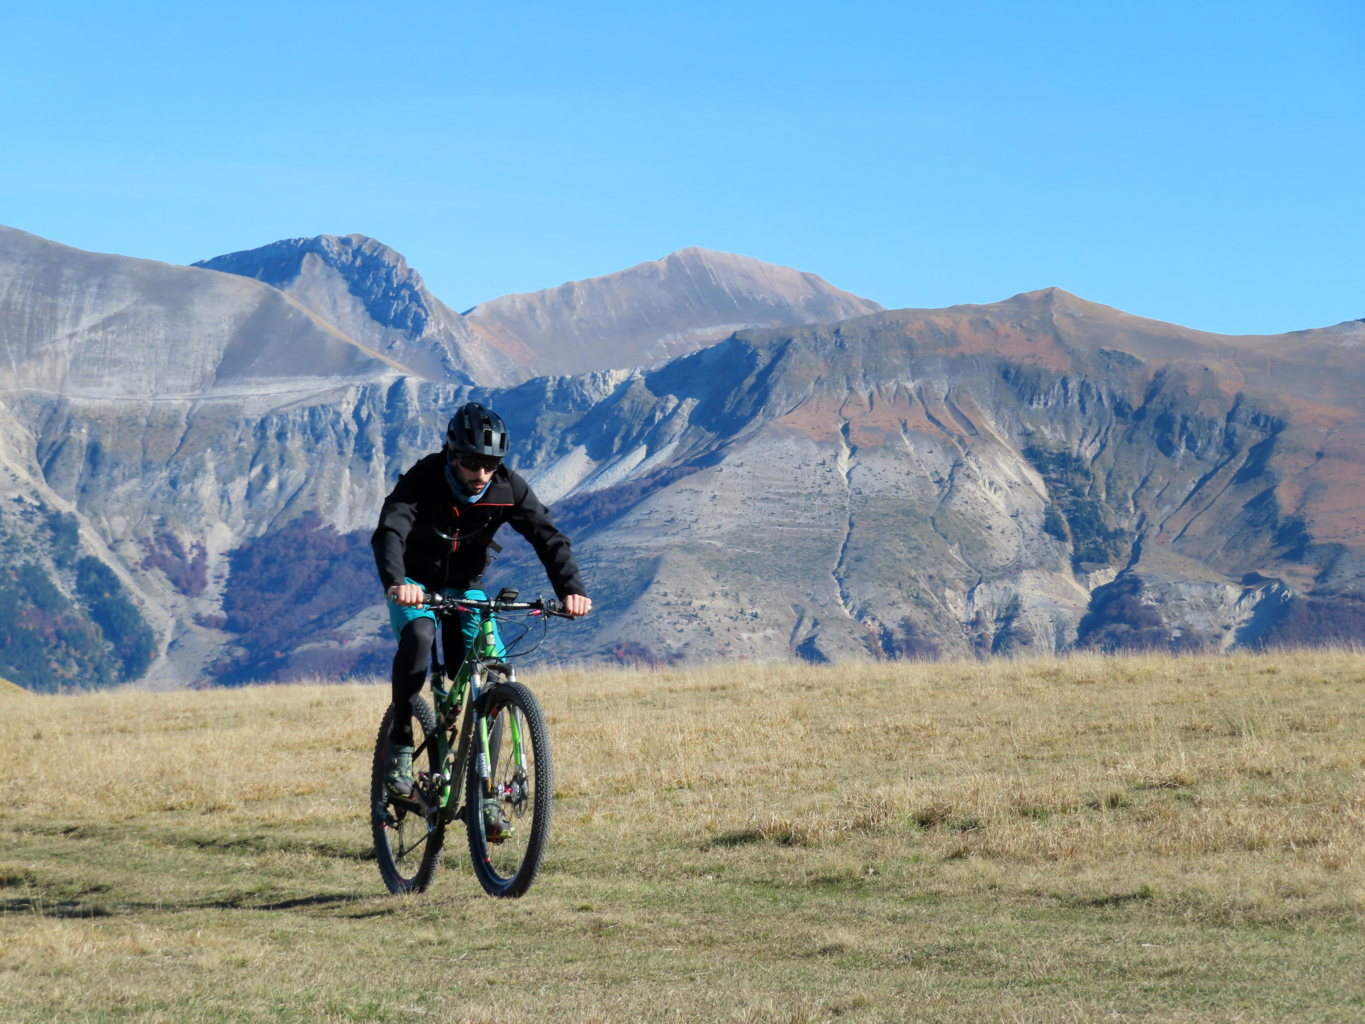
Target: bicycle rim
(407, 851)
(521, 789)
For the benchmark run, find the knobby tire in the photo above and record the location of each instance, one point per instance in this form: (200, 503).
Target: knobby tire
(507, 869)
(406, 862)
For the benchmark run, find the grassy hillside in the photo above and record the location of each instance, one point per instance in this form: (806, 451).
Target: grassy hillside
(1142, 838)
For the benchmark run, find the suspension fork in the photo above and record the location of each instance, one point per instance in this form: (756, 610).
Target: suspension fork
(517, 752)
(489, 640)
(513, 727)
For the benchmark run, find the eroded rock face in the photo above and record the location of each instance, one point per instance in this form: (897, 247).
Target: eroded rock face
(959, 481)
(911, 483)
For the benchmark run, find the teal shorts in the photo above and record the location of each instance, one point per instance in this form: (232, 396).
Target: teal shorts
(400, 616)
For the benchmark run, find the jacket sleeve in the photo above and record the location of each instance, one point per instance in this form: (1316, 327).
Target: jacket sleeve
(390, 538)
(532, 520)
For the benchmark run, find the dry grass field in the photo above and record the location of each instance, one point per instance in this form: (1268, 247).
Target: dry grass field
(1139, 839)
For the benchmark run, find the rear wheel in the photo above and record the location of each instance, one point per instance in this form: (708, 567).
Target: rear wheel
(518, 792)
(407, 848)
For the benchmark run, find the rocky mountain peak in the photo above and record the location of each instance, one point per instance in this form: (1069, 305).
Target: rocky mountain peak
(367, 290)
(643, 315)
(657, 310)
(379, 276)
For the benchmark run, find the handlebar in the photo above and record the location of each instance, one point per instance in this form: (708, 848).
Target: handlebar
(540, 606)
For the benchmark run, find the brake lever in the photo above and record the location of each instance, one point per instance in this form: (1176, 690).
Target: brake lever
(443, 602)
(550, 609)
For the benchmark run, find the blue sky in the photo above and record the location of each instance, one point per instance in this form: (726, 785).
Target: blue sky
(1194, 162)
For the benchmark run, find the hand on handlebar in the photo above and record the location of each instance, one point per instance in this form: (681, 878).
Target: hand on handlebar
(410, 595)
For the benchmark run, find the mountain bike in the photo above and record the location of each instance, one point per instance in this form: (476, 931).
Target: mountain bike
(487, 732)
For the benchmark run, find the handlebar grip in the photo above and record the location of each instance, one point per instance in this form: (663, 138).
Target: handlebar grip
(556, 608)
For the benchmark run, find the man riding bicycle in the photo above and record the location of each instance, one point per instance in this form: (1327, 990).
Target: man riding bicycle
(434, 534)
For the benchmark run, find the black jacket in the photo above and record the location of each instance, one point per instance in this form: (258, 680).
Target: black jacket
(408, 540)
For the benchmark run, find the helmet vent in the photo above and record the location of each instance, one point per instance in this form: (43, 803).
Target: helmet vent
(478, 431)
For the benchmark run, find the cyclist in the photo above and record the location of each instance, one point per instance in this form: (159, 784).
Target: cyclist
(434, 534)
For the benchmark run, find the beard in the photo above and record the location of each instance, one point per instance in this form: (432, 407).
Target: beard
(470, 487)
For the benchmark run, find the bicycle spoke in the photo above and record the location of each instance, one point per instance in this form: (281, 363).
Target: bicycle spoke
(403, 851)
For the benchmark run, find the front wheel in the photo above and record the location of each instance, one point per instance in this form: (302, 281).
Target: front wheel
(507, 813)
(406, 845)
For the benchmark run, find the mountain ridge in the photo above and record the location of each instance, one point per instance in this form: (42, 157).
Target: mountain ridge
(1201, 433)
(641, 315)
(72, 337)
(602, 319)
(1033, 474)
(369, 292)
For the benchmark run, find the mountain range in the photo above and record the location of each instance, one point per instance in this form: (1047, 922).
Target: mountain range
(642, 315)
(751, 463)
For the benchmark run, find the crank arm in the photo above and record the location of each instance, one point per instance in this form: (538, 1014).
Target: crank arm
(417, 807)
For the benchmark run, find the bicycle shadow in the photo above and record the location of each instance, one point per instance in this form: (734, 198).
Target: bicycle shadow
(70, 909)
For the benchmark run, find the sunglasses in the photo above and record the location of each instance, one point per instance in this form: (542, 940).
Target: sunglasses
(475, 463)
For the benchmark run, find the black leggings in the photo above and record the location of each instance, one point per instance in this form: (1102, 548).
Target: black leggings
(410, 669)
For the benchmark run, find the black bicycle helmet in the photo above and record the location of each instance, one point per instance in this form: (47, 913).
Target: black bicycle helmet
(477, 431)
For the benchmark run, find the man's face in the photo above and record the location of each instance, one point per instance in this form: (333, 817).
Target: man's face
(472, 472)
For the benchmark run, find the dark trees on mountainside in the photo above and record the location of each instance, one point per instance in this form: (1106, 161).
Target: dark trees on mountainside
(294, 587)
(1119, 621)
(111, 607)
(1317, 622)
(1082, 520)
(48, 642)
(187, 570)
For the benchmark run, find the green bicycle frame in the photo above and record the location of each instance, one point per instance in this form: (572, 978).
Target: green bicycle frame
(467, 684)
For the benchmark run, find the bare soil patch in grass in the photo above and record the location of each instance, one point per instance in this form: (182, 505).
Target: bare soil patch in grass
(1144, 838)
